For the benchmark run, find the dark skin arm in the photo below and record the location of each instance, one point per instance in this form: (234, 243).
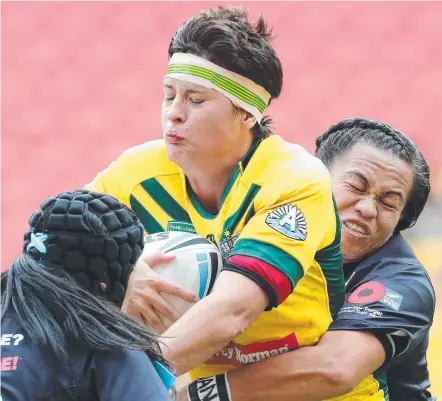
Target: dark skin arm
(335, 366)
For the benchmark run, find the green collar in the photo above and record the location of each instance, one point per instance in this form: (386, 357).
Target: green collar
(239, 168)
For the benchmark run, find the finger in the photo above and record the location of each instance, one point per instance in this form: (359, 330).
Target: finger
(165, 309)
(139, 319)
(145, 316)
(152, 318)
(133, 309)
(172, 289)
(151, 298)
(158, 258)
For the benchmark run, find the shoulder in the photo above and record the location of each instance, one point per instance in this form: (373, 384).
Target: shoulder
(397, 261)
(284, 168)
(126, 356)
(127, 360)
(136, 165)
(399, 278)
(128, 374)
(150, 157)
(294, 161)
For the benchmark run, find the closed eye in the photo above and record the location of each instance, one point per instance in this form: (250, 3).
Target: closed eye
(392, 202)
(356, 188)
(387, 205)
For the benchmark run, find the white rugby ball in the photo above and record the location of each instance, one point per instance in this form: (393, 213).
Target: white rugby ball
(196, 265)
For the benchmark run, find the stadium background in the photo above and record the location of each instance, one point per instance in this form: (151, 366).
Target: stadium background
(82, 82)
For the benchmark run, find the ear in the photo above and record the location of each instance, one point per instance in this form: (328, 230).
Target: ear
(248, 120)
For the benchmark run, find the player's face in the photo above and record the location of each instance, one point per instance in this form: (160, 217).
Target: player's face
(371, 188)
(199, 125)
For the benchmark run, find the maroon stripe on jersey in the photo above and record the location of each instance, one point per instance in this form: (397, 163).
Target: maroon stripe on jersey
(274, 277)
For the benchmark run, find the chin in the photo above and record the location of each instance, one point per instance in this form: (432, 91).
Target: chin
(174, 153)
(351, 254)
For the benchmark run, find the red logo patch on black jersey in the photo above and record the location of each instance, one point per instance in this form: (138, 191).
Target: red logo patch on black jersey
(368, 293)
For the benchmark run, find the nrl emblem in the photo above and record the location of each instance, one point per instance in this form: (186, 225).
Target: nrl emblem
(228, 243)
(289, 221)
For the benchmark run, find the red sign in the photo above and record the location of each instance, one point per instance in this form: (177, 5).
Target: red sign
(240, 354)
(9, 363)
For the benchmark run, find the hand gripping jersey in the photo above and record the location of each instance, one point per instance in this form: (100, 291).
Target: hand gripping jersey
(390, 295)
(277, 224)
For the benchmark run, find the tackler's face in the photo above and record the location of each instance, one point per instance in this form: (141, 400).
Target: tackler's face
(371, 188)
(199, 125)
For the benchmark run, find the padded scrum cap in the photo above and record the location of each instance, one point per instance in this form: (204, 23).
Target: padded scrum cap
(92, 236)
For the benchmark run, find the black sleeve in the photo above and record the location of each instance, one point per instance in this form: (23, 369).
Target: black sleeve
(395, 303)
(128, 375)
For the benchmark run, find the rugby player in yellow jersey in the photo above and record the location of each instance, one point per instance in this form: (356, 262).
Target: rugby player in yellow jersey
(219, 172)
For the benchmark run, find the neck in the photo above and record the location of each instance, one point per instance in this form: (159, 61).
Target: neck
(208, 183)
(208, 187)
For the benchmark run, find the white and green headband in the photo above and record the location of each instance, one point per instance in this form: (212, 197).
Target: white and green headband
(242, 91)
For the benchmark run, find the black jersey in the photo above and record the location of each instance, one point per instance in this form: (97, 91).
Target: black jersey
(29, 374)
(390, 294)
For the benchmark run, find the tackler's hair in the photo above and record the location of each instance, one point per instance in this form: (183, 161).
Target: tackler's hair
(341, 137)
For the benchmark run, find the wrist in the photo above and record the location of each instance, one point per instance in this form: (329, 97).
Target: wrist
(212, 387)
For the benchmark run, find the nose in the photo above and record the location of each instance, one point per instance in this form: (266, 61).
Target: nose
(366, 206)
(176, 110)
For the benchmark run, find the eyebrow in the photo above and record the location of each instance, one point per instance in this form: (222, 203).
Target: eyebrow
(364, 179)
(397, 193)
(189, 90)
(361, 176)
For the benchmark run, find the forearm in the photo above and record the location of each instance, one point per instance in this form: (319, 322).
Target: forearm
(310, 373)
(302, 375)
(206, 328)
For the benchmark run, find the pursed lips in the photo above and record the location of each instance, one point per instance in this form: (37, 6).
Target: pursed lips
(173, 137)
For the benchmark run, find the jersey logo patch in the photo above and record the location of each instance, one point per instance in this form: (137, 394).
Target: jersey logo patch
(392, 299)
(289, 221)
(228, 243)
(181, 226)
(367, 293)
(375, 291)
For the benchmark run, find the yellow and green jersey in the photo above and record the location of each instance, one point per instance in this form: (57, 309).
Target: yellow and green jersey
(277, 224)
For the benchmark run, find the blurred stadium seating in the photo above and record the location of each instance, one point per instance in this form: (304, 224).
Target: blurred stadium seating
(82, 82)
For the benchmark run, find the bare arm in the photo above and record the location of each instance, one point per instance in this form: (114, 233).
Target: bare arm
(234, 304)
(340, 361)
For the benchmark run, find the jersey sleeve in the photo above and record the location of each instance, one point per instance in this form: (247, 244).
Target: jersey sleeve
(128, 375)
(397, 307)
(286, 234)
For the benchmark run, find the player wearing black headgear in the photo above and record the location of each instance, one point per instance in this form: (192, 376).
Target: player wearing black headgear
(63, 334)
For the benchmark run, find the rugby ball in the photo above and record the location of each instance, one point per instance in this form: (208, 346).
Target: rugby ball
(196, 265)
